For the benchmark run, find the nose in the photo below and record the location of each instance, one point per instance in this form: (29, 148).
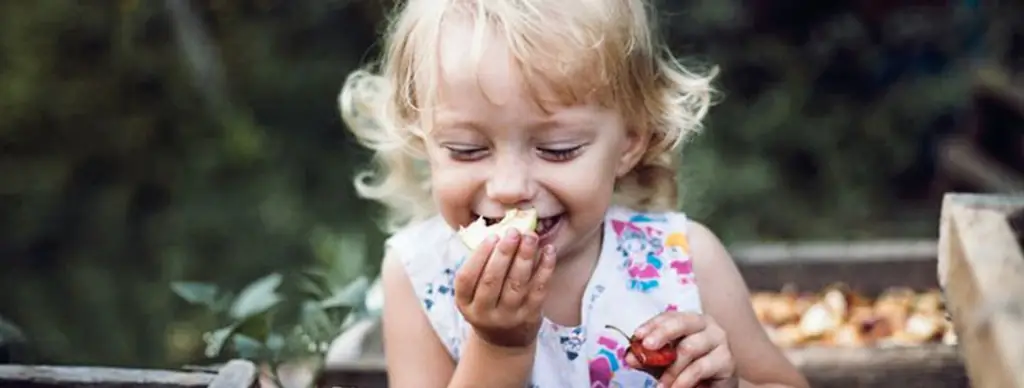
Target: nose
(510, 182)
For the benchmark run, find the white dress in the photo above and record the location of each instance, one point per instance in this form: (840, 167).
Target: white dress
(644, 269)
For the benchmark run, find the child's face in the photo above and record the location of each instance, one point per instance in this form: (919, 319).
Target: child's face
(493, 148)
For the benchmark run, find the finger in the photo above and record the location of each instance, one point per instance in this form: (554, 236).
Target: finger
(715, 364)
(518, 279)
(691, 348)
(669, 327)
(539, 281)
(467, 277)
(632, 361)
(493, 278)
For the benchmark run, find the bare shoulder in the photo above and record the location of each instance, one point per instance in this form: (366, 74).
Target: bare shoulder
(715, 269)
(726, 298)
(409, 338)
(707, 250)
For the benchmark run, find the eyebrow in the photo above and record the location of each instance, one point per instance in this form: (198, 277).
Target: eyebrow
(572, 121)
(448, 123)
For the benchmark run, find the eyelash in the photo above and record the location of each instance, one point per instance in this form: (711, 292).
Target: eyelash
(463, 154)
(471, 154)
(561, 155)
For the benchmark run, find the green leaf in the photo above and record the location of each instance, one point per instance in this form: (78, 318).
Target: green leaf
(349, 296)
(256, 326)
(316, 322)
(10, 333)
(216, 339)
(247, 347)
(196, 293)
(313, 283)
(257, 297)
(275, 342)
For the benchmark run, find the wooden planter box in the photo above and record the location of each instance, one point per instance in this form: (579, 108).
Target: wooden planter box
(234, 374)
(982, 270)
(869, 267)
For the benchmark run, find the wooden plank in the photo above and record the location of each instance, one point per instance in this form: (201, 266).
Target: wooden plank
(236, 374)
(29, 376)
(868, 267)
(931, 366)
(982, 270)
(834, 252)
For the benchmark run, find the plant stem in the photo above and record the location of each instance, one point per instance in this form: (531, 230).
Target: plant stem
(628, 337)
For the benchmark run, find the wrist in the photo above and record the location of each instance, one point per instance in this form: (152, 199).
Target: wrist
(485, 364)
(497, 351)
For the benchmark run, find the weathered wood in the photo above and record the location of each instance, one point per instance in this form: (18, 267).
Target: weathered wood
(981, 268)
(931, 365)
(32, 376)
(868, 267)
(835, 252)
(236, 374)
(233, 374)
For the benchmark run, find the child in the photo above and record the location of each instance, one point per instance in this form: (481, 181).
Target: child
(572, 108)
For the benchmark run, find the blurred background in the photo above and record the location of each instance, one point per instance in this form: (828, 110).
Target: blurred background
(148, 142)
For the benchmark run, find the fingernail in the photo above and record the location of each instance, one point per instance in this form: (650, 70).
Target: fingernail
(512, 234)
(530, 239)
(651, 342)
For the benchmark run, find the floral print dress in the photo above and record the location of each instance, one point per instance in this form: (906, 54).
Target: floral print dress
(644, 269)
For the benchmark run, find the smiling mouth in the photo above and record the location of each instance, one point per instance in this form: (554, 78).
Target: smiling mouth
(544, 225)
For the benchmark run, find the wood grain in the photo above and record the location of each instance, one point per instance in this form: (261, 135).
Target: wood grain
(24, 376)
(981, 268)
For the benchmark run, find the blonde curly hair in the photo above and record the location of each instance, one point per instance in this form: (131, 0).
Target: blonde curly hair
(603, 49)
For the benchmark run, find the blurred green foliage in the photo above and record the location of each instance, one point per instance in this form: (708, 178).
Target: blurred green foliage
(118, 179)
(273, 321)
(132, 157)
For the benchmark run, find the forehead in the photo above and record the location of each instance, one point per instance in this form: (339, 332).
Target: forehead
(479, 65)
(505, 66)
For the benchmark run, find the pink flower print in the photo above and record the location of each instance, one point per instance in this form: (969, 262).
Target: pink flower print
(682, 267)
(644, 275)
(642, 271)
(604, 364)
(671, 307)
(683, 270)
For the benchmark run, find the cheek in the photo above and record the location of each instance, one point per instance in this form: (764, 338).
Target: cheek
(584, 183)
(453, 189)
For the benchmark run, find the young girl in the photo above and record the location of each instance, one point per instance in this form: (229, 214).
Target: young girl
(572, 108)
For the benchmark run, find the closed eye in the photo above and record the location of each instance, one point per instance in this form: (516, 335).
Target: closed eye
(465, 153)
(560, 154)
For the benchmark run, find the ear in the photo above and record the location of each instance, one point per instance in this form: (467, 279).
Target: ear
(633, 148)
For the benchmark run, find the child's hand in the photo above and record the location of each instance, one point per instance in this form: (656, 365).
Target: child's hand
(501, 287)
(703, 358)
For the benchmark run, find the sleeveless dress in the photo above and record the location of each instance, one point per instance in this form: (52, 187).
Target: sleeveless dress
(644, 269)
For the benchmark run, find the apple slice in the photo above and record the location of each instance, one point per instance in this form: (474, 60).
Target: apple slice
(475, 233)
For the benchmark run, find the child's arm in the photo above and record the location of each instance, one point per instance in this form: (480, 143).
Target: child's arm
(726, 298)
(416, 357)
